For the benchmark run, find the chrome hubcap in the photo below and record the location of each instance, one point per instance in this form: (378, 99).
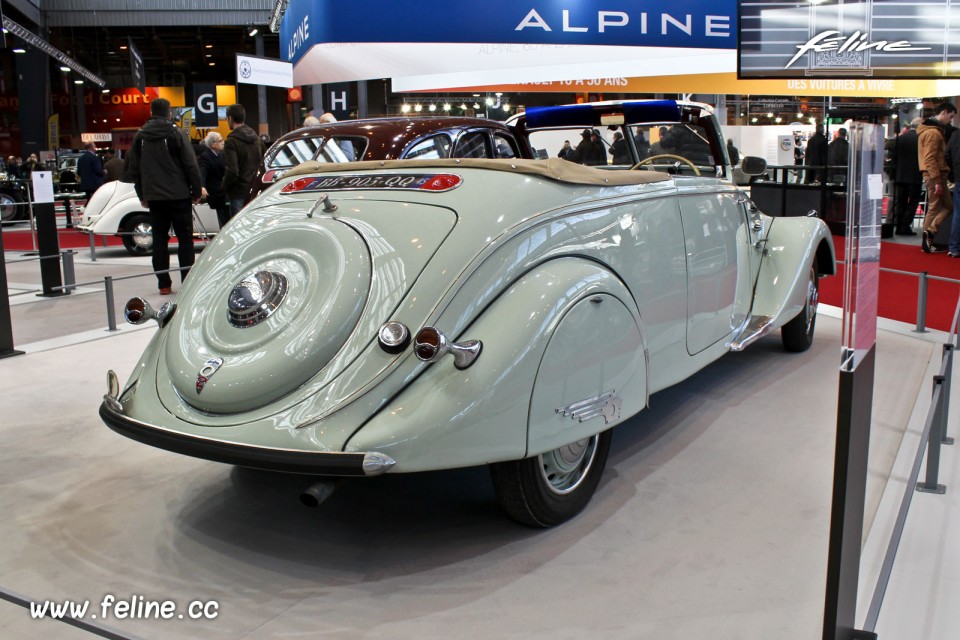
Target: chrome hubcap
(143, 235)
(565, 468)
(256, 298)
(813, 299)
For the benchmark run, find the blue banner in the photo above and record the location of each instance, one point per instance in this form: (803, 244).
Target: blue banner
(653, 23)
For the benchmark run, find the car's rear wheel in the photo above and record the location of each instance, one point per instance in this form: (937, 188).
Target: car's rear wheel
(9, 207)
(797, 335)
(552, 487)
(138, 235)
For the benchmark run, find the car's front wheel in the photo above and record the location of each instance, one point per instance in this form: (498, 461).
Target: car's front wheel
(138, 235)
(9, 207)
(797, 335)
(552, 487)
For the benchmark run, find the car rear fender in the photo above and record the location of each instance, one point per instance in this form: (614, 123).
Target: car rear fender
(790, 248)
(453, 418)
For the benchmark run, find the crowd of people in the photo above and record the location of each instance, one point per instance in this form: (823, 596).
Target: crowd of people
(677, 139)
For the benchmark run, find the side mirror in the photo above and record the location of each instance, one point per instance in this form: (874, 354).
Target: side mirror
(753, 166)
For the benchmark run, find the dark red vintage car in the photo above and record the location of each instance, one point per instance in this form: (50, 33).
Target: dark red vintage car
(422, 138)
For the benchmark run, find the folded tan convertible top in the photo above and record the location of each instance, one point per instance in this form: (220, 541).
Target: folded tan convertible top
(552, 168)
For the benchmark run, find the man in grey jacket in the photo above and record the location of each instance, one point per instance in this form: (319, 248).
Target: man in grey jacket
(163, 168)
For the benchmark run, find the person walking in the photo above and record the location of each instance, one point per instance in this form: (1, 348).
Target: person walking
(113, 167)
(733, 152)
(906, 178)
(952, 157)
(816, 156)
(211, 177)
(619, 149)
(90, 169)
(163, 169)
(242, 153)
(838, 157)
(931, 156)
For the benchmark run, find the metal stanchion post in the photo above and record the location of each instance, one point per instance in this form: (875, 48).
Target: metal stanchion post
(948, 354)
(93, 249)
(922, 303)
(111, 312)
(930, 485)
(69, 274)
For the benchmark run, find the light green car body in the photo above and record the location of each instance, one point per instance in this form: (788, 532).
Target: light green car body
(579, 286)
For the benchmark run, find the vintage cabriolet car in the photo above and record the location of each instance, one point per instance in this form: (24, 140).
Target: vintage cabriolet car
(402, 316)
(115, 209)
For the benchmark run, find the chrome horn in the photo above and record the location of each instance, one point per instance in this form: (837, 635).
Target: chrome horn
(430, 345)
(138, 311)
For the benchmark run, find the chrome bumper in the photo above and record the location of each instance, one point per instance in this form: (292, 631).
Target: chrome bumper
(324, 463)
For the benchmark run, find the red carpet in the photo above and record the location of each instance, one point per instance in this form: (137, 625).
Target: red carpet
(20, 239)
(898, 293)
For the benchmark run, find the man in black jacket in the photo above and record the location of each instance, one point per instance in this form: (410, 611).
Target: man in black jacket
(242, 153)
(816, 156)
(838, 157)
(163, 168)
(906, 178)
(90, 169)
(953, 161)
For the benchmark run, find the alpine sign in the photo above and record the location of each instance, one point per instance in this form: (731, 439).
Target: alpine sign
(654, 23)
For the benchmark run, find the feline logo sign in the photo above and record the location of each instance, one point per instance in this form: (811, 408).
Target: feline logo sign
(834, 41)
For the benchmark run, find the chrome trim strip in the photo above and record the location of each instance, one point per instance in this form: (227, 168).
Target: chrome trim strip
(607, 404)
(752, 330)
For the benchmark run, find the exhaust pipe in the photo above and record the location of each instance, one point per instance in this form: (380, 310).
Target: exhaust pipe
(317, 493)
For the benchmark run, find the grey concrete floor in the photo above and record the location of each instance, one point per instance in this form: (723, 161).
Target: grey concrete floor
(711, 520)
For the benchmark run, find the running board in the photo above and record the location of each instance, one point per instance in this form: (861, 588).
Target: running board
(754, 329)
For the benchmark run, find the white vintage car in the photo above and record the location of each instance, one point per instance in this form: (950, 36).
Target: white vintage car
(114, 209)
(403, 316)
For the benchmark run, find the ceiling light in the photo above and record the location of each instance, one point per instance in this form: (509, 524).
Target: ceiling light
(252, 31)
(208, 46)
(433, 107)
(506, 107)
(19, 50)
(476, 105)
(799, 115)
(418, 108)
(123, 47)
(778, 120)
(446, 106)
(769, 115)
(104, 90)
(812, 120)
(209, 55)
(212, 64)
(753, 119)
(78, 81)
(118, 119)
(463, 106)
(489, 102)
(65, 69)
(405, 108)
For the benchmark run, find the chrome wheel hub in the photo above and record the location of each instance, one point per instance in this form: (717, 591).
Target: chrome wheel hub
(813, 299)
(565, 468)
(143, 235)
(255, 298)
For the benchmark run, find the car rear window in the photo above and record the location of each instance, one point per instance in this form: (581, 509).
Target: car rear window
(339, 149)
(430, 148)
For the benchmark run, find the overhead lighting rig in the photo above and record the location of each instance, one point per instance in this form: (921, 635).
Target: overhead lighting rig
(36, 41)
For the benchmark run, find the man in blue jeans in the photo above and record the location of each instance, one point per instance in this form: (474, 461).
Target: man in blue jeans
(953, 162)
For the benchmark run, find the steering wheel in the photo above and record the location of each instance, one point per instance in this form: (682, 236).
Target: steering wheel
(660, 156)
